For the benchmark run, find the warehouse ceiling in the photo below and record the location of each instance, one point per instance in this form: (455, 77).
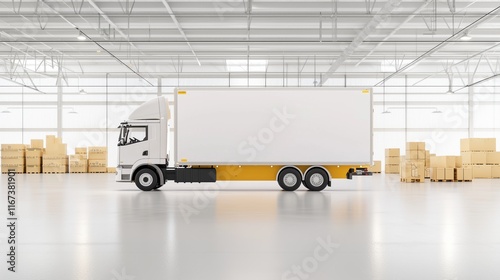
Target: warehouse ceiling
(153, 38)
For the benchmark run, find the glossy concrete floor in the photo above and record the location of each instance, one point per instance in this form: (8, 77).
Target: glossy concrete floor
(86, 226)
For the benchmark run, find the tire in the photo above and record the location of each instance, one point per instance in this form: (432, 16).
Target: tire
(316, 179)
(146, 180)
(289, 179)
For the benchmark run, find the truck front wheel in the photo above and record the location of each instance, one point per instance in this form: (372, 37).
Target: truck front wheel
(146, 179)
(289, 179)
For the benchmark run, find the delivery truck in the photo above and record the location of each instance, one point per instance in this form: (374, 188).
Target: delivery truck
(295, 136)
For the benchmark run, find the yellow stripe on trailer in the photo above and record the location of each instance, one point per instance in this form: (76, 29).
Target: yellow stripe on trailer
(269, 172)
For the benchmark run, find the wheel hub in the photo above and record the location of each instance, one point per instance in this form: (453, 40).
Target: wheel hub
(317, 180)
(146, 179)
(290, 180)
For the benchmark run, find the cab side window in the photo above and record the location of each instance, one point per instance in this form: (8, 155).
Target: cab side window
(137, 134)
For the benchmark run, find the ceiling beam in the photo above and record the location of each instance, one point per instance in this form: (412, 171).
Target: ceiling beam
(408, 19)
(488, 16)
(382, 15)
(178, 25)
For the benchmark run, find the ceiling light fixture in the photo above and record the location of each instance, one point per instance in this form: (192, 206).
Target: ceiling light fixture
(386, 112)
(437, 112)
(466, 37)
(6, 111)
(81, 36)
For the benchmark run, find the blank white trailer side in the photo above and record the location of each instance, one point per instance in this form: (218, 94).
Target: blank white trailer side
(273, 126)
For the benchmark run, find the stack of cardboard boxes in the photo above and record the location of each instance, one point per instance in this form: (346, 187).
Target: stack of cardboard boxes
(480, 155)
(34, 156)
(13, 157)
(427, 171)
(449, 169)
(376, 167)
(463, 173)
(98, 159)
(413, 164)
(392, 159)
(443, 168)
(55, 157)
(78, 162)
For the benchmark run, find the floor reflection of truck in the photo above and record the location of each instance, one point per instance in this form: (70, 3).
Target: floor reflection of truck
(292, 135)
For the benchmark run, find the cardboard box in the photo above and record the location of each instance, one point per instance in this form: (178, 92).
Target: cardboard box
(473, 158)
(392, 152)
(33, 168)
(33, 157)
(55, 169)
(111, 169)
(52, 160)
(427, 159)
(93, 169)
(37, 144)
(78, 168)
(50, 139)
(481, 171)
(81, 151)
(13, 147)
(77, 157)
(493, 158)
(415, 146)
(413, 170)
(443, 161)
(376, 167)
(98, 153)
(415, 155)
(392, 168)
(495, 171)
(438, 173)
(392, 160)
(14, 160)
(427, 172)
(78, 161)
(98, 163)
(458, 161)
(478, 144)
(57, 149)
(449, 174)
(18, 168)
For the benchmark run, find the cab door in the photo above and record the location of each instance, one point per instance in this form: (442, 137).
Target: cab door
(136, 145)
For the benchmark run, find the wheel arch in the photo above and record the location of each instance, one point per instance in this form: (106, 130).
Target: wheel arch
(153, 167)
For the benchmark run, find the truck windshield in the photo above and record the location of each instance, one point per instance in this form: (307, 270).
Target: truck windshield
(132, 134)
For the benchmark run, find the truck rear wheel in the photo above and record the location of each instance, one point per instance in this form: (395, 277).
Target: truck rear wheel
(146, 179)
(316, 179)
(289, 179)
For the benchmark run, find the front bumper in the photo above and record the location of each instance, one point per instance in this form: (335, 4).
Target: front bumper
(123, 174)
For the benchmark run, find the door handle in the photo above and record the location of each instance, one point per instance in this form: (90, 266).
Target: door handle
(145, 153)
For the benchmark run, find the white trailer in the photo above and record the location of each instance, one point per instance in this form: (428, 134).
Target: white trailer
(292, 135)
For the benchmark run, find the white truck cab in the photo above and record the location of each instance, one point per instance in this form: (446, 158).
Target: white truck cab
(142, 143)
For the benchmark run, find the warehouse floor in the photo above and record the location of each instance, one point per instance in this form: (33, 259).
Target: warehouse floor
(86, 226)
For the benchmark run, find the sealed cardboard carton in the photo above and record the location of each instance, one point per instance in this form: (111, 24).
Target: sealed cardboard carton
(443, 161)
(481, 171)
(473, 158)
(394, 152)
